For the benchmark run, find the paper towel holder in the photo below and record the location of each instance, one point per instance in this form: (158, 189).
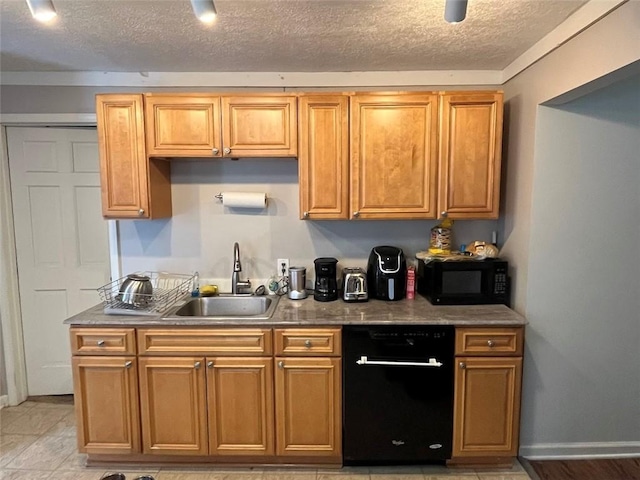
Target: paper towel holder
(220, 197)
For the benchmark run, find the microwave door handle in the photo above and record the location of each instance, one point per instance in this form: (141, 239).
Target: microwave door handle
(431, 363)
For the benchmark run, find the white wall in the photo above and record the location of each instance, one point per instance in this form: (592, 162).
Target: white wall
(582, 373)
(580, 390)
(592, 57)
(201, 232)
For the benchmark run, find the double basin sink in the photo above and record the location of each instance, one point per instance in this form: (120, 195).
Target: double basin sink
(225, 307)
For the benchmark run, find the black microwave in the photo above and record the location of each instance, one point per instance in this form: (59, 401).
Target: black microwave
(464, 282)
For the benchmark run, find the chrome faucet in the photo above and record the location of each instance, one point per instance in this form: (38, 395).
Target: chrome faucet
(236, 283)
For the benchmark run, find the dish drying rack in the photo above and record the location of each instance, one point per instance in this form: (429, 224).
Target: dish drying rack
(167, 289)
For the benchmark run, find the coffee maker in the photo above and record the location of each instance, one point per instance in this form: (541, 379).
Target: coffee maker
(326, 286)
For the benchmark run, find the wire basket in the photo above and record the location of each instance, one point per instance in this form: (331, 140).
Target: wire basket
(167, 289)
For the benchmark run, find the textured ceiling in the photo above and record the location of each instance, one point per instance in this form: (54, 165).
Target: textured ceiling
(274, 35)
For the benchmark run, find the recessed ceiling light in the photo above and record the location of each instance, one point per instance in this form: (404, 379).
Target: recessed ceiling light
(205, 10)
(42, 10)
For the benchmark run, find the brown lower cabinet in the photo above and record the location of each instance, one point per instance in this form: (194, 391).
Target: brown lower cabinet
(106, 404)
(308, 406)
(265, 395)
(212, 394)
(488, 382)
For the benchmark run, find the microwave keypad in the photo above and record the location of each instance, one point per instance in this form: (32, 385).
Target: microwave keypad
(500, 286)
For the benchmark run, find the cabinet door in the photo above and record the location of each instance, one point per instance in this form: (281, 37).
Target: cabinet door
(132, 187)
(183, 125)
(240, 405)
(259, 126)
(393, 156)
(324, 156)
(487, 406)
(106, 403)
(470, 155)
(308, 407)
(173, 405)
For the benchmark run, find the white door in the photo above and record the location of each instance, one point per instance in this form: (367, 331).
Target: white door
(61, 241)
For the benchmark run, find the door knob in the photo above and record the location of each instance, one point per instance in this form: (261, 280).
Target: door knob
(215, 151)
(227, 151)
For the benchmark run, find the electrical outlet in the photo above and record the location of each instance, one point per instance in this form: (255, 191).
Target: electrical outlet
(279, 266)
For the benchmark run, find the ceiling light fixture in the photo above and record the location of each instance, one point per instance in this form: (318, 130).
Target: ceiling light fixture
(455, 10)
(205, 10)
(42, 10)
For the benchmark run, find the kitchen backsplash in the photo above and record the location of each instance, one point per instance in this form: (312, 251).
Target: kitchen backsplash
(200, 235)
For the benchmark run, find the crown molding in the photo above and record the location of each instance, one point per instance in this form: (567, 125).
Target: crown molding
(579, 21)
(253, 79)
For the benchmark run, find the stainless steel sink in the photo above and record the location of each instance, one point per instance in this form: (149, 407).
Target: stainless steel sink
(226, 307)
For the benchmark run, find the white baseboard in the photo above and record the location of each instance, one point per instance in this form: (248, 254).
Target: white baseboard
(4, 401)
(563, 451)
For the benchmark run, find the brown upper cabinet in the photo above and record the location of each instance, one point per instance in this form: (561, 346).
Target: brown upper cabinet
(190, 125)
(389, 155)
(393, 155)
(470, 154)
(324, 156)
(132, 186)
(403, 155)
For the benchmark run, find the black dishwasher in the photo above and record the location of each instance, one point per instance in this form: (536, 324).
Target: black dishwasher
(397, 394)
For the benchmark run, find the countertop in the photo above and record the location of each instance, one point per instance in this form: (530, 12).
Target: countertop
(308, 312)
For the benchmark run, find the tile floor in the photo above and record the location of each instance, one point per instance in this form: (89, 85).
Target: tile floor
(38, 441)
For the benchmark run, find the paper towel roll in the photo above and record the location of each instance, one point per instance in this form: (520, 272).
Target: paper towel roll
(244, 199)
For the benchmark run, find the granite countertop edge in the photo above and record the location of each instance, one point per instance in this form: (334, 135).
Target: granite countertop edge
(309, 313)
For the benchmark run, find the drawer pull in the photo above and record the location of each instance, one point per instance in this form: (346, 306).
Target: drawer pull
(101, 343)
(209, 364)
(462, 365)
(128, 364)
(197, 365)
(491, 343)
(281, 365)
(307, 343)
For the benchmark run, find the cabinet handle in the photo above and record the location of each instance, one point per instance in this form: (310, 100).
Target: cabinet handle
(280, 365)
(443, 213)
(227, 151)
(356, 214)
(128, 364)
(307, 343)
(197, 365)
(141, 212)
(462, 365)
(215, 151)
(101, 343)
(491, 343)
(305, 214)
(209, 364)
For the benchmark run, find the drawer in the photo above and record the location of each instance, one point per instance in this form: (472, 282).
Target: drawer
(308, 341)
(489, 341)
(245, 341)
(103, 341)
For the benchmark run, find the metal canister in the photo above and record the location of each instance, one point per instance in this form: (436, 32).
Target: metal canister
(297, 283)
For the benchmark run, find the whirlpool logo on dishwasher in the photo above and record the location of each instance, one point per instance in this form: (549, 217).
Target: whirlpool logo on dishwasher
(397, 443)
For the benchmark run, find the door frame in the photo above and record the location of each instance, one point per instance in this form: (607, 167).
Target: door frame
(10, 311)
